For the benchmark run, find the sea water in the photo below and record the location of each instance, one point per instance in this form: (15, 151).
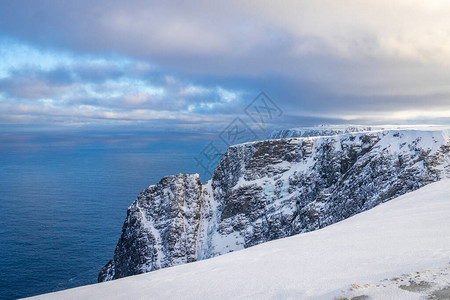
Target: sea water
(62, 206)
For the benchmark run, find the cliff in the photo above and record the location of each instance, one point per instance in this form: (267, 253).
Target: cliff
(398, 250)
(272, 189)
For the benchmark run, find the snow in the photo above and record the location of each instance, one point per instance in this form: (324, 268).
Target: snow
(358, 255)
(413, 285)
(331, 130)
(152, 230)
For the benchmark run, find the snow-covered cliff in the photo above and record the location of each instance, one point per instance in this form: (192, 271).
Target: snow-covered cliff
(398, 250)
(272, 189)
(322, 130)
(161, 228)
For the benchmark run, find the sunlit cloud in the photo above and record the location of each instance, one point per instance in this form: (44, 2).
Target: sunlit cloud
(68, 90)
(151, 61)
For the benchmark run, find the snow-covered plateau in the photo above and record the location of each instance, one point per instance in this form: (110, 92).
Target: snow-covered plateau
(397, 250)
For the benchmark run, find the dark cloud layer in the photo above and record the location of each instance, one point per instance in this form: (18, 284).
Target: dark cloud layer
(186, 65)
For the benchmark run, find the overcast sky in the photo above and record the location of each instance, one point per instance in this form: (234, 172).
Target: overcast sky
(188, 66)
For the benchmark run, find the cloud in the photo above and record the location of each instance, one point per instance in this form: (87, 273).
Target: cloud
(372, 61)
(88, 90)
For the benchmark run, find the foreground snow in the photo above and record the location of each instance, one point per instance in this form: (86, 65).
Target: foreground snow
(347, 259)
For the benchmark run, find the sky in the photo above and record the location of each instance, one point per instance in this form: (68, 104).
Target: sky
(195, 66)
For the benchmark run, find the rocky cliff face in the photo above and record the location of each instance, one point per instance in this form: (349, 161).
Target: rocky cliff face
(272, 189)
(161, 228)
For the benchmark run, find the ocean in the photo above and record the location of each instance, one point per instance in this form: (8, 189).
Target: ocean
(62, 205)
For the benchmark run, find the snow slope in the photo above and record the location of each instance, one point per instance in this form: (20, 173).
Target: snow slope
(410, 233)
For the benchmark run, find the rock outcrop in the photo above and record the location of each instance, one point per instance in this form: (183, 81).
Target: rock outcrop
(161, 228)
(272, 189)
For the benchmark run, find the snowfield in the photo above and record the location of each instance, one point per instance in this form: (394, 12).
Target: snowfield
(397, 250)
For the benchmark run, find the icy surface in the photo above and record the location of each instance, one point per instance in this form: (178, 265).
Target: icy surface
(375, 253)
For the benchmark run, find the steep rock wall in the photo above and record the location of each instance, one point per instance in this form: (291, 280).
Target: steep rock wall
(273, 189)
